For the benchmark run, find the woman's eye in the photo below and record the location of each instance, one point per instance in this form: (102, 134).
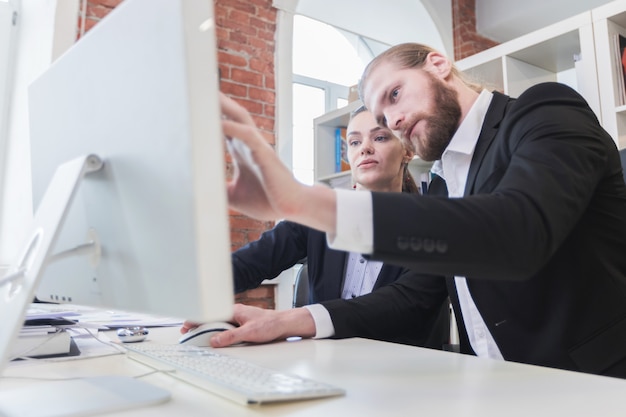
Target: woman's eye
(380, 138)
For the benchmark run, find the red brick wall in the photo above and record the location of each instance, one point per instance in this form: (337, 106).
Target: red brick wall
(466, 41)
(246, 45)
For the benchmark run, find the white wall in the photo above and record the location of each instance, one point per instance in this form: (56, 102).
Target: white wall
(441, 15)
(46, 28)
(503, 20)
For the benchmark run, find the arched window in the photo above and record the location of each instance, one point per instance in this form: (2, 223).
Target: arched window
(326, 62)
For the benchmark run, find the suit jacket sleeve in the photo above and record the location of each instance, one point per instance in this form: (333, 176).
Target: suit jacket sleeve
(276, 250)
(401, 312)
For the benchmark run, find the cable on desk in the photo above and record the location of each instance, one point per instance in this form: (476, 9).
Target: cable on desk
(24, 355)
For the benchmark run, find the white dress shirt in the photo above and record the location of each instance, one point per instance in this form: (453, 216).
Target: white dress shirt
(361, 275)
(355, 227)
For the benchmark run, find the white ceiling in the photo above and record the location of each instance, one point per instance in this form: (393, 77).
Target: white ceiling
(387, 21)
(503, 20)
(430, 21)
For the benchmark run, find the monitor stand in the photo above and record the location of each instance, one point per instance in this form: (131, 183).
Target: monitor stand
(80, 397)
(17, 290)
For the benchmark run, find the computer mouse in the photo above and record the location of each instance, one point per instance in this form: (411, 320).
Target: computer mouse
(201, 335)
(132, 334)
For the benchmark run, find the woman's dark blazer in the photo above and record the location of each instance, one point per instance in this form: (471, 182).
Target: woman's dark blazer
(287, 243)
(540, 236)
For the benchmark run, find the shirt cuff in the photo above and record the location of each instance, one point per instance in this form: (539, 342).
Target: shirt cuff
(324, 327)
(355, 227)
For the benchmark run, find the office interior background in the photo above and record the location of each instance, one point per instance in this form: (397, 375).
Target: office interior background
(286, 61)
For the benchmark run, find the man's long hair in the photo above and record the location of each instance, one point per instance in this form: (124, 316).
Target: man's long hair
(409, 55)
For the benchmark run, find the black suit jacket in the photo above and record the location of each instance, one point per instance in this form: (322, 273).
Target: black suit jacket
(287, 243)
(540, 237)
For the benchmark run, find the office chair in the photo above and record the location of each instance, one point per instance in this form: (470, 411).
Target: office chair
(622, 157)
(301, 287)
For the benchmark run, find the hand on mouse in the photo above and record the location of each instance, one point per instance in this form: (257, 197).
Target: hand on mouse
(188, 325)
(258, 325)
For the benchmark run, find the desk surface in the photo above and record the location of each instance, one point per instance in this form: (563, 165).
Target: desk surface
(380, 379)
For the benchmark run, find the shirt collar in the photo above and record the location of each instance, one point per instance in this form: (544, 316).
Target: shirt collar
(466, 136)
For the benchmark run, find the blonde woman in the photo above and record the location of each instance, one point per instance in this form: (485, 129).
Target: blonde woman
(378, 162)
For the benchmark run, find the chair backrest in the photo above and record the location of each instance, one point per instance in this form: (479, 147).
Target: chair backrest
(301, 287)
(622, 156)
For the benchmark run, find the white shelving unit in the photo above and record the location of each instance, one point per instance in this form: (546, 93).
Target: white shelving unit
(609, 20)
(325, 128)
(562, 52)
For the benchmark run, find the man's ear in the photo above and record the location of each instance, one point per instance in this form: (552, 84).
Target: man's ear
(438, 64)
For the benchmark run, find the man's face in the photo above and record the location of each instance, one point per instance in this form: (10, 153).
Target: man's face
(416, 105)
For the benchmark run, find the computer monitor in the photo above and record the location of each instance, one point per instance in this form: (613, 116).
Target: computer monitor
(150, 227)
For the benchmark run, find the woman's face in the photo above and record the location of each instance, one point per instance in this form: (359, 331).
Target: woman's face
(376, 156)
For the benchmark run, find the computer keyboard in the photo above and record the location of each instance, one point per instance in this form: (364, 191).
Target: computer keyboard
(232, 378)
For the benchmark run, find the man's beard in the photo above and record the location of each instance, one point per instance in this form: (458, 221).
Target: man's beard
(441, 125)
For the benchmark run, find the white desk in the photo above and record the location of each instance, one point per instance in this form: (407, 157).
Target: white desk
(381, 379)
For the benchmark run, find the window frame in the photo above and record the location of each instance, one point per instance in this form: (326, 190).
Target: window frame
(333, 91)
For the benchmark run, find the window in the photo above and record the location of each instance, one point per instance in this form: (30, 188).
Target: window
(308, 103)
(326, 62)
